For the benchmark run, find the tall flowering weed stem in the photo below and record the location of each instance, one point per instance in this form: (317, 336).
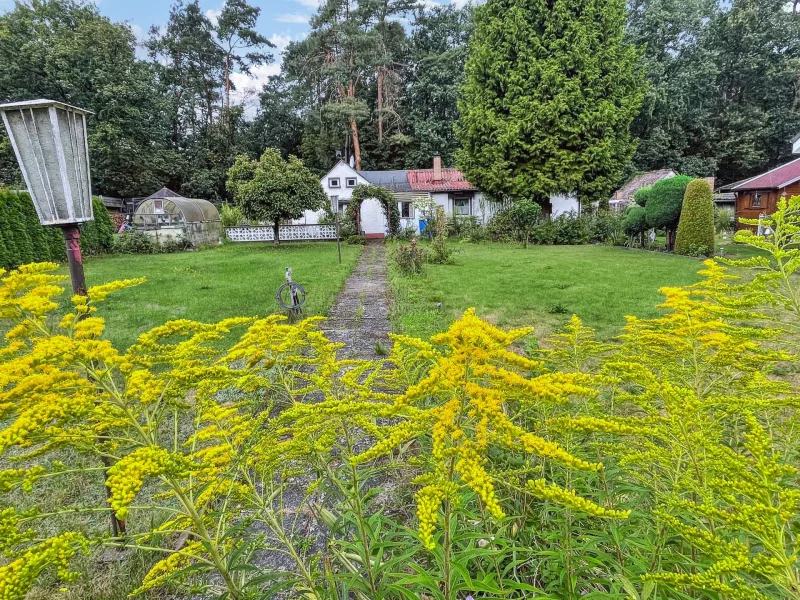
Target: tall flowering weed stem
(462, 410)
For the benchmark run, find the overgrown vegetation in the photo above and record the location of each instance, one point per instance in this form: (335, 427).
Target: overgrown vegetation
(660, 465)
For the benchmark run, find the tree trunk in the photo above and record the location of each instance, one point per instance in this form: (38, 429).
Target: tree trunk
(276, 228)
(351, 92)
(380, 105)
(228, 81)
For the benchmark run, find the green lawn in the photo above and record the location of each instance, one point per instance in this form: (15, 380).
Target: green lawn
(209, 285)
(540, 286)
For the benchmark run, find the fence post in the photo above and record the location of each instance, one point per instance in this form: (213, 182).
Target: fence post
(338, 242)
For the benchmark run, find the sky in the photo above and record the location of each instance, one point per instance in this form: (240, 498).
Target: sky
(281, 21)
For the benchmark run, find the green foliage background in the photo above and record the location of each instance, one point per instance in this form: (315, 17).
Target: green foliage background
(23, 239)
(664, 202)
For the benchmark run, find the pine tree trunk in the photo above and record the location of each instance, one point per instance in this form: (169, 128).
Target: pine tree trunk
(380, 105)
(228, 81)
(351, 92)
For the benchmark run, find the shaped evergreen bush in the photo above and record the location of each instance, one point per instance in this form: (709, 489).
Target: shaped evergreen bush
(664, 203)
(696, 228)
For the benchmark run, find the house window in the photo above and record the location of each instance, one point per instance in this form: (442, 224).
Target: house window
(351, 182)
(461, 207)
(755, 200)
(333, 182)
(343, 208)
(406, 210)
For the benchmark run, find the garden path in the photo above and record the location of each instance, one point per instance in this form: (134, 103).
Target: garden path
(359, 317)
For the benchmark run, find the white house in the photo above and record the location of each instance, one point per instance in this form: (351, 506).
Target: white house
(447, 187)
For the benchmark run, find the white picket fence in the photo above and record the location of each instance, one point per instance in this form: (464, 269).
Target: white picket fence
(287, 233)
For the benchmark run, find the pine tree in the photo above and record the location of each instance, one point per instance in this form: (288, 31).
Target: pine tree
(551, 90)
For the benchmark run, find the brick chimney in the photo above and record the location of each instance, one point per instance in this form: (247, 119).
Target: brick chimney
(437, 167)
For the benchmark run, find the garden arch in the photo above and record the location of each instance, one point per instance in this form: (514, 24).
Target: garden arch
(386, 199)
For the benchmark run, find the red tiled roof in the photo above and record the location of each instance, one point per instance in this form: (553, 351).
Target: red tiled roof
(777, 178)
(421, 180)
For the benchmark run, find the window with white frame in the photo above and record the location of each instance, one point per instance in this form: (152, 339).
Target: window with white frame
(351, 182)
(461, 206)
(343, 207)
(333, 182)
(406, 210)
(755, 200)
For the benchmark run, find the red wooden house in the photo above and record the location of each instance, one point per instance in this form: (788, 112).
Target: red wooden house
(760, 194)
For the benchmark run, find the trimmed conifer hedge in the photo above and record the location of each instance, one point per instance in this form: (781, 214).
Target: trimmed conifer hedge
(24, 240)
(696, 227)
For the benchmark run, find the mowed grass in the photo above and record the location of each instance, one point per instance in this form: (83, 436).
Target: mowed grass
(209, 285)
(540, 286)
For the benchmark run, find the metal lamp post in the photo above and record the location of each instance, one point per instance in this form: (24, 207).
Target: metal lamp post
(49, 140)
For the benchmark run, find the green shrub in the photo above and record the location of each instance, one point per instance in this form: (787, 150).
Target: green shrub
(524, 214)
(500, 227)
(642, 195)
(134, 242)
(572, 229)
(97, 237)
(356, 240)
(664, 202)
(606, 227)
(23, 239)
(409, 259)
(440, 253)
(635, 220)
(724, 219)
(696, 228)
(231, 216)
(544, 233)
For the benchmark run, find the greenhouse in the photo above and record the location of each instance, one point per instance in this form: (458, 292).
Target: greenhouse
(172, 218)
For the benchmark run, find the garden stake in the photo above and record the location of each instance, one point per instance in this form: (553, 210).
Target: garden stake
(72, 236)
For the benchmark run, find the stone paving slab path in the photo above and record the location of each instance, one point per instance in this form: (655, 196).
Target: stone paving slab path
(359, 317)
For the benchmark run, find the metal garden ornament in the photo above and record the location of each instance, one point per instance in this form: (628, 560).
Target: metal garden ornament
(291, 296)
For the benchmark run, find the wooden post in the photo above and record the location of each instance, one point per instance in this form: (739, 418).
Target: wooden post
(72, 237)
(338, 240)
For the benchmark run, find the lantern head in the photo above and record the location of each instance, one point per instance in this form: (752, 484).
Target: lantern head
(49, 140)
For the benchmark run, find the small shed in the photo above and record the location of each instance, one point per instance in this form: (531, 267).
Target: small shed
(172, 218)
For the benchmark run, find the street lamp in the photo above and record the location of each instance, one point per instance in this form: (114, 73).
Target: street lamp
(49, 140)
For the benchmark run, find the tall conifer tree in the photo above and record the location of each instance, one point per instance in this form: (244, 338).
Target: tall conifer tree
(551, 89)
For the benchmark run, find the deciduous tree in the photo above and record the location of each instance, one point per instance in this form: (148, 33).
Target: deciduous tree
(273, 189)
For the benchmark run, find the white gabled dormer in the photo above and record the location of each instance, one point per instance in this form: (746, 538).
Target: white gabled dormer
(338, 184)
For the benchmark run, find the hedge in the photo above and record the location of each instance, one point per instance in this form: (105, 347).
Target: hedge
(24, 240)
(696, 227)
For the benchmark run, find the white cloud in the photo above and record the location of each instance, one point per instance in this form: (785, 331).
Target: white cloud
(292, 18)
(310, 3)
(281, 40)
(213, 15)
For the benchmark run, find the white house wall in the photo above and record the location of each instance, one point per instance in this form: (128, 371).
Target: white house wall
(564, 203)
(343, 171)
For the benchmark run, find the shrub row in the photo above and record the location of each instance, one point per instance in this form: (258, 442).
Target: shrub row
(23, 239)
(567, 228)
